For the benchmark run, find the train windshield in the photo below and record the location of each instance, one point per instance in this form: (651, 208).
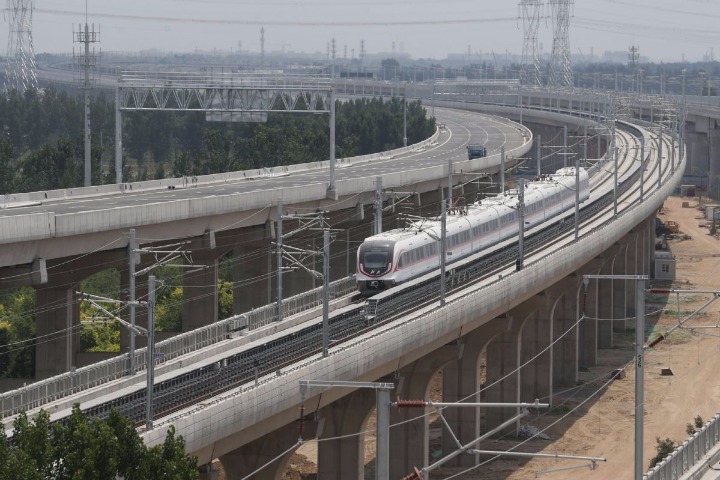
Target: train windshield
(375, 259)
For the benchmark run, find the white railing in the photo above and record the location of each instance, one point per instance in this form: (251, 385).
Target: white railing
(51, 389)
(22, 199)
(688, 454)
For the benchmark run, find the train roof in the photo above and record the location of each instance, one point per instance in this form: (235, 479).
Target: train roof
(489, 206)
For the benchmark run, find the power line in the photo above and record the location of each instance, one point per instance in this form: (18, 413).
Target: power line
(286, 23)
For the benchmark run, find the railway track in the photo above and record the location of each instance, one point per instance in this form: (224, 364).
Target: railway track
(279, 352)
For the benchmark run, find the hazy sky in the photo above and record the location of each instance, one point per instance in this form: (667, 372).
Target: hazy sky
(663, 29)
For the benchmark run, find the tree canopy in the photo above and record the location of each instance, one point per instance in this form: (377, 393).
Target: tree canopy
(42, 145)
(81, 448)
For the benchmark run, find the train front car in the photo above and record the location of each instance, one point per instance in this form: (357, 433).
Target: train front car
(374, 263)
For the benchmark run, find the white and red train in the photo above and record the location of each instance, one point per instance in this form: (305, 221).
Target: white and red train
(396, 256)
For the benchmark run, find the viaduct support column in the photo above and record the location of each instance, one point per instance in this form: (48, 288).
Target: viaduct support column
(409, 440)
(589, 327)
(250, 273)
(619, 289)
(461, 383)
(714, 163)
(536, 353)
(240, 463)
(200, 292)
(503, 363)
(344, 458)
(632, 259)
(698, 152)
(565, 332)
(604, 297)
(58, 315)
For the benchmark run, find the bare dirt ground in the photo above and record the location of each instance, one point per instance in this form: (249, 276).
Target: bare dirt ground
(599, 422)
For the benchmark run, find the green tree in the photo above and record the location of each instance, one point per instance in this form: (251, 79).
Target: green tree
(82, 448)
(168, 461)
(17, 330)
(663, 449)
(7, 169)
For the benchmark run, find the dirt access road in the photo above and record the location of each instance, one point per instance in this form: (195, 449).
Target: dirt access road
(593, 421)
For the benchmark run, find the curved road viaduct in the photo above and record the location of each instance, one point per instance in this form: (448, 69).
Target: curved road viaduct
(53, 240)
(510, 318)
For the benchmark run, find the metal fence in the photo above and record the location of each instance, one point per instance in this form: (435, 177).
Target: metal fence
(689, 453)
(40, 393)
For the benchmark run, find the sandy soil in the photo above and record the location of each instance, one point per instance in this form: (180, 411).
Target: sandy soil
(599, 422)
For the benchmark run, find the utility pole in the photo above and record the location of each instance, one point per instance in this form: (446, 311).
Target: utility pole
(331, 186)
(405, 139)
(443, 250)
(150, 354)
(616, 154)
(133, 260)
(262, 47)
(539, 153)
(521, 221)
(382, 426)
(577, 198)
(326, 294)
(502, 169)
(96, 301)
(87, 62)
(297, 257)
(565, 140)
(639, 360)
(334, 53)
(642, 167)
(660, 155)
(378, 205)
(279, 256)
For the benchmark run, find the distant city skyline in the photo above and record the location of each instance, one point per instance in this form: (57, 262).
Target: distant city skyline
(664, 30)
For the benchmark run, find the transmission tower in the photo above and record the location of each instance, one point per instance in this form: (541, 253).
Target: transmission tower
(20, 70)
(85, 61)
(560, 68)
(531, 13)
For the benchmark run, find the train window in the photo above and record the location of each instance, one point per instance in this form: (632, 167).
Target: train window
(375, 259)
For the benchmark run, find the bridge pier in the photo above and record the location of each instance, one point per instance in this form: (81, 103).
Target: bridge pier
(537, 335)
(461, 383)
(200, 292)
(268, 454)
(564, 314)
(504, 355)
(601, 296)
(588, 329)
(343, 457)
(409, 439)
(697, 146)
(714, 162)
(633, 267)
(57, 319)
(251, 279)
(620, 267)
